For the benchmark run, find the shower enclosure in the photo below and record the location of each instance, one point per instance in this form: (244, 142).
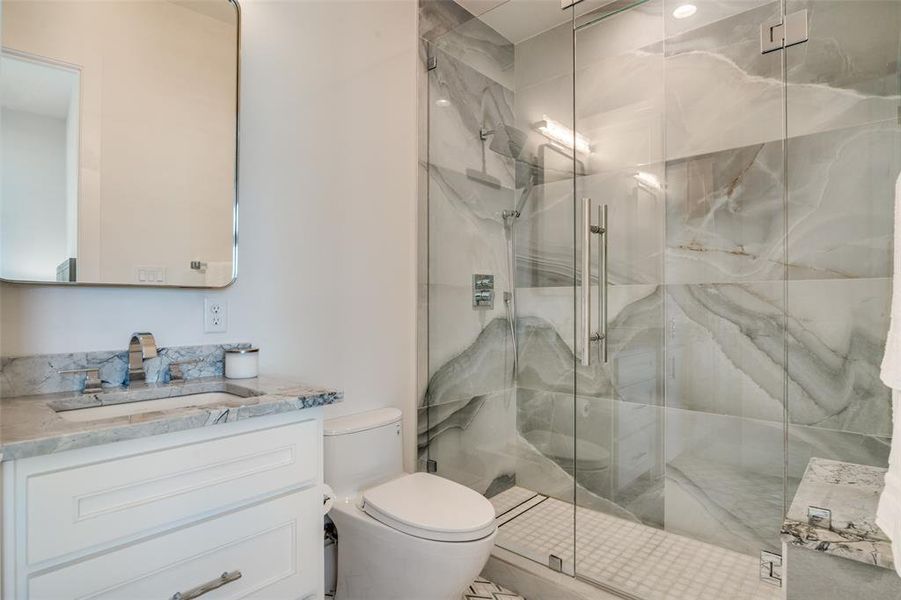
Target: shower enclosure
(656, 272)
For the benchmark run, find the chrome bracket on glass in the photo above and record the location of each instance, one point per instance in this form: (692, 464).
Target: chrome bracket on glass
(777, 33)
(819, 517)
(600, 229)
(771, 568)
(555, 563)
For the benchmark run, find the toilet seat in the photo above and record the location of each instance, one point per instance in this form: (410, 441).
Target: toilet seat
(430, 507)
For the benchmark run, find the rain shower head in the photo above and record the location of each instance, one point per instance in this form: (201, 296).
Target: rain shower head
(506, 140)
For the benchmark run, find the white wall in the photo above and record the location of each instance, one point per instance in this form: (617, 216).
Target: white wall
(326, 283)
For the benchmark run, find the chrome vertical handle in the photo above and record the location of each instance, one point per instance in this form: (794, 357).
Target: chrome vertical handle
(586, 282)
(600, 229)
(602, 280)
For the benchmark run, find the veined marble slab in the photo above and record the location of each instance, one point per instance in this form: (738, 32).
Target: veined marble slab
(40, 374)
(31, 427)
(851, 492)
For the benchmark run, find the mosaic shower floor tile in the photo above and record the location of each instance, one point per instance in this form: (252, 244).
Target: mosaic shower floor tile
(644, 561)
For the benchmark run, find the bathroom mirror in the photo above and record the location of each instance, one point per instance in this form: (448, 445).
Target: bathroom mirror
(118, 142)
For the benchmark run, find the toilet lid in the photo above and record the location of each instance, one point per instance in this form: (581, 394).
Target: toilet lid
(431, 507)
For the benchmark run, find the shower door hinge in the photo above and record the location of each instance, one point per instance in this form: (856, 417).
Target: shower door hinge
(431, 63)
(555, 563)
(819, 517)
(771, 568)
(777, 33)
(431, 466)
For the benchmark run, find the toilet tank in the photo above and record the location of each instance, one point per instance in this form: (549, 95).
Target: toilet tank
(362, 450)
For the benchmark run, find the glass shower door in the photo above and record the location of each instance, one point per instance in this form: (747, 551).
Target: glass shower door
(541, 527)
(619, 175)
(683, 117)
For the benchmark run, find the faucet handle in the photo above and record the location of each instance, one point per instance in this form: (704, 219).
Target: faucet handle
(92, 382)
(175, 372)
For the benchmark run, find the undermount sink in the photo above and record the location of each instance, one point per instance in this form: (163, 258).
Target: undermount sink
(122, 409)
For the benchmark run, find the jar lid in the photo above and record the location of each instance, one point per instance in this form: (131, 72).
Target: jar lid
(241, 350)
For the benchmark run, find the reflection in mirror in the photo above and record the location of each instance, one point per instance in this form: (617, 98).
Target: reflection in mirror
(118, 137)
(40, 157)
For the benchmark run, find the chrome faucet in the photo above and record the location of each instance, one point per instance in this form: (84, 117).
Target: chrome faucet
(142, 346)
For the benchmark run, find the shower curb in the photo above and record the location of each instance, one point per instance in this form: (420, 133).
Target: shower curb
(537, 582)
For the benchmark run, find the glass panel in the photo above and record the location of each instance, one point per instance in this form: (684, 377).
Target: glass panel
(470, 395)
(725, 280)
(500, 209)
(843, 155)
(619, 114)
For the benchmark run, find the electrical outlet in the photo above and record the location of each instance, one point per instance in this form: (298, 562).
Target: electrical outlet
(215, 315)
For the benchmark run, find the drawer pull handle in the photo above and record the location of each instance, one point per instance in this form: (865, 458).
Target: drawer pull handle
(209, 586)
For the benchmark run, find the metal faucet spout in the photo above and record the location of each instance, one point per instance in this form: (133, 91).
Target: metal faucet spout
(141, 347)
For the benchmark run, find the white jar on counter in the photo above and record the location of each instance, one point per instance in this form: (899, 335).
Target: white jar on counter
(242, 363)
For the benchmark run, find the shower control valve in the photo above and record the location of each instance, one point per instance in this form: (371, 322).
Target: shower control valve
(482, 291)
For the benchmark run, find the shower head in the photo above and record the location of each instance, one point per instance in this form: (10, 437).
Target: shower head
(506, 140)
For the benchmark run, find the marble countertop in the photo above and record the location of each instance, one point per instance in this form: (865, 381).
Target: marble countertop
(32, 425)
(851, 492)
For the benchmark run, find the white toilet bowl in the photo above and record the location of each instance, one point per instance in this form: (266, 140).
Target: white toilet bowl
(400, 536)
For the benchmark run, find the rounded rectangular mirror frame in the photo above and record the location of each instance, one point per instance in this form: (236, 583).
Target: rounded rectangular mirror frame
(234, 233)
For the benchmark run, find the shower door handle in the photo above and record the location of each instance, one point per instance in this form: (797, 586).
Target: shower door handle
(601, 230)
(586, 282)
(588, 229)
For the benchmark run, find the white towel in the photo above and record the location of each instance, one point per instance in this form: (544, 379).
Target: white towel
(888, 515)
(891, 362)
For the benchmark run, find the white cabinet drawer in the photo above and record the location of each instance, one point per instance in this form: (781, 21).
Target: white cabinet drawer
(90, 501)
(277, 547)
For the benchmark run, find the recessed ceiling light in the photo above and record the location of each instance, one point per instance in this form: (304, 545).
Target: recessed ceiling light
(683, 11)
(442, 102)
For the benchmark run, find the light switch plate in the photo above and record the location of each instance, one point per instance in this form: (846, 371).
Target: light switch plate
(150, 275)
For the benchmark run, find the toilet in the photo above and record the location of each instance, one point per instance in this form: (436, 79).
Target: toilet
(401, 536)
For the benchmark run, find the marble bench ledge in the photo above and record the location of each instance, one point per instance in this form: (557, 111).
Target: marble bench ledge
(851, 492)
(31, 427)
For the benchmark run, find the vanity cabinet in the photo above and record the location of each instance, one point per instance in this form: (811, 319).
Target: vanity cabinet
(169, 514)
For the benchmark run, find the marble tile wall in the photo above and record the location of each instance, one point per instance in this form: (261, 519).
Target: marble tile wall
(40, 374)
